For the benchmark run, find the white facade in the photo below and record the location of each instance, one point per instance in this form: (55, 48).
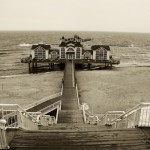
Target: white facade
(32, 53)
(76, 53)
(70, 52)
(40, 53)
(103, 54)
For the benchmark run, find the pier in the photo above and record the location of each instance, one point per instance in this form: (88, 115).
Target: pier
(71, 133)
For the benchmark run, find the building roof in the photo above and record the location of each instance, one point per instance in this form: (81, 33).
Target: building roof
(68, 43)
(90, 51)
(74, 42)
(57, 50)
(95, 47)
(45, 46)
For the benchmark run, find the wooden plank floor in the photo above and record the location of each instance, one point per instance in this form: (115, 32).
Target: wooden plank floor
(106, 139)
(70, 112)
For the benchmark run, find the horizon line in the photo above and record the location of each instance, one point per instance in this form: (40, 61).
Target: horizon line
(72, 31)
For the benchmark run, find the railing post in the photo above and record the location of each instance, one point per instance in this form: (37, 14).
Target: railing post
(57, 114)
(84, 116)
(78, 97)
(3, 139)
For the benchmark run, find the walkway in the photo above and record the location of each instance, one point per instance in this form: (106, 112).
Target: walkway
(70, 112)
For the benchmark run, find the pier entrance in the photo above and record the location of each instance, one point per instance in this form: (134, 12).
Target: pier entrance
(70, 55)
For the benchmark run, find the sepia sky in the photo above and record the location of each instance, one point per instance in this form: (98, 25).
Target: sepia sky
(78, 15)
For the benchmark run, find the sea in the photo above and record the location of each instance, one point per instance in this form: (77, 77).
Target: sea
(130, 48)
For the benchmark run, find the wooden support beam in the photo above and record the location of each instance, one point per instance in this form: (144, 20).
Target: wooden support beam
(29, 65)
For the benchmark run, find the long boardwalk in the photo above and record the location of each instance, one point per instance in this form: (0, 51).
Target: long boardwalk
(70, 112)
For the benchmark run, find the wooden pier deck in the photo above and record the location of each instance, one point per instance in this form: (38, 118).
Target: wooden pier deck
(70, 112)
(106, 139)
(72, 134)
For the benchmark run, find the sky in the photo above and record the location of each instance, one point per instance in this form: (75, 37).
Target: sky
(76, 15)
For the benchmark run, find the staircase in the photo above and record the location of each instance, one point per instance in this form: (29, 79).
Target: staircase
(72, 134)
(102, 139)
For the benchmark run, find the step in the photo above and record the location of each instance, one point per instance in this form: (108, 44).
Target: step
(120, 139)
(73, 126)
(70, 116)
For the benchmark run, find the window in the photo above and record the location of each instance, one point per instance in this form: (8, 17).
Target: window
(54, 55)
(87, 55)
(78, 53)
(101, 54)
(63, 53)
(97, 54)
(40, 53)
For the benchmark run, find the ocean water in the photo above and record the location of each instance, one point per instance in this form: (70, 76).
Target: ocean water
(14, 45)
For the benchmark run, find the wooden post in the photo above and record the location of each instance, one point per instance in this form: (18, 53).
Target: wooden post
(36, 66)
(32, 64)
(105, 64)
(89, 66)
(29, 68)
(57, 114)
(52, 66)
(49, 65)
(110, 65)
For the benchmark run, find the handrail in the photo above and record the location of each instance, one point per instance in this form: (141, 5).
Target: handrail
(62, 87)
(43, 100)
(16, 107)
(51, 106)
(132, 110)
(109, 116)
(138, 116)
(77, 92)
(112, 112)
(42, 119)
(13, 118)
(91, 117)
(73, 74)
(84, 107)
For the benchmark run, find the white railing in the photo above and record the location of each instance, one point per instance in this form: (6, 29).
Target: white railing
(44, 120)
(80, 106)
(91, 118)
(138, 116)
(109, 116)
(62, 87)
(77, 92)
(51, 107)
(3, 138)
(88, 117)
(43, 100)
(17, 117)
